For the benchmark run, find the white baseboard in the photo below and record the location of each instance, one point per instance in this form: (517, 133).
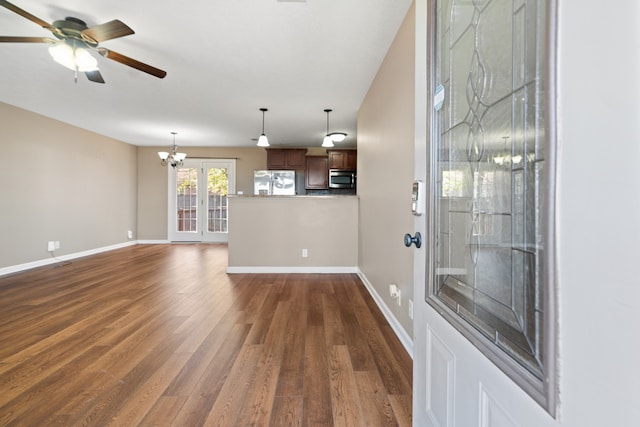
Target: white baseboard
(154, 242)
(403, 336)
(59, 258)
(321, 270)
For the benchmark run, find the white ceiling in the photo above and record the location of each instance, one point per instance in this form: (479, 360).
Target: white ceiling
(224, 60)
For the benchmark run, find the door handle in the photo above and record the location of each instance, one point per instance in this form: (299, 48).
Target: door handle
(417, 240)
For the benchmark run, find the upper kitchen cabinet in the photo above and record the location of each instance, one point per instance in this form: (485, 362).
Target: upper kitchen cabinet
(286, 158)
(317, 173)
(345, 159)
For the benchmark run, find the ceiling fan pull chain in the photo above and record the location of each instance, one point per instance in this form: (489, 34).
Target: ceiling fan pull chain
(75, 61)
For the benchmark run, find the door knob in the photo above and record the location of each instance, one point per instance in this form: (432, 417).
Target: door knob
(417, 240)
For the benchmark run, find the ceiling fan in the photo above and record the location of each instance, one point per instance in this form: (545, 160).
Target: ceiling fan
(75, 40)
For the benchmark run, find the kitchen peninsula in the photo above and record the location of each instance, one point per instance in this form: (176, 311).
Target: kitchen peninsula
(297, 234)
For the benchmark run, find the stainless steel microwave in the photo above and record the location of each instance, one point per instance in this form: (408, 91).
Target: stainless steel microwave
(342, 178)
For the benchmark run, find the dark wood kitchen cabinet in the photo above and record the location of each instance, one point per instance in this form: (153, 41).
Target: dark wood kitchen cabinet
(317, 173)
(343, 159)
(286, 158)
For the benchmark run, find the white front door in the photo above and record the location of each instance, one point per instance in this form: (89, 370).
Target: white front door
(477, 73)
(198, 200)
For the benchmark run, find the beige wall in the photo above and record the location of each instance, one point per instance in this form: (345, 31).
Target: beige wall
(385, 173)
(271, 231)
(61, 183)
(153, 181)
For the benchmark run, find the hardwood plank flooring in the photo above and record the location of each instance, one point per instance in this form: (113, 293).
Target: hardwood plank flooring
(160, 335)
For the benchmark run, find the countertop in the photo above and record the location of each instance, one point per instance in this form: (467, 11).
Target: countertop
(301, 196)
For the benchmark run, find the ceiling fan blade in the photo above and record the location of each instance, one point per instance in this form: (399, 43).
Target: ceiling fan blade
(10, 39)
(115, 56)
(94, 76)
(29, 16)
(107, 31)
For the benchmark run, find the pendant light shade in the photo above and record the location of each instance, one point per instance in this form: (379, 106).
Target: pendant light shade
(327, 142)
(337, 136)
(263, 141)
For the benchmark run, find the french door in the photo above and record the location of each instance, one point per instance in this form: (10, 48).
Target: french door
(198, 200)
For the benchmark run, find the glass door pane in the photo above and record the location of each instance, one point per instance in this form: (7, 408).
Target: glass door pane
(186, 200)
(217, 188)
(220, 182)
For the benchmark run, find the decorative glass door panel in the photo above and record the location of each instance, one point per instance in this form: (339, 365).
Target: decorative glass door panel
(491, 185)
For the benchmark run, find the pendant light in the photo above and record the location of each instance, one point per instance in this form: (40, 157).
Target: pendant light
(332, 137)
(263, 141)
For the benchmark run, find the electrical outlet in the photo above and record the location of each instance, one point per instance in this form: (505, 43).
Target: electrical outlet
(305, 253)
(51, 246)
(130, 234)
(393, 290)
(411, 309)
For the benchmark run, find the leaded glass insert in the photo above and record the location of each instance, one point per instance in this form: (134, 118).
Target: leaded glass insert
(490, 182)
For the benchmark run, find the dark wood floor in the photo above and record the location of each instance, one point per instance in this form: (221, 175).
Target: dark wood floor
(161, 335)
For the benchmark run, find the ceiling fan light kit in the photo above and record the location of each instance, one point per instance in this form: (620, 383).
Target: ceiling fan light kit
(73, 57)
(75, 41)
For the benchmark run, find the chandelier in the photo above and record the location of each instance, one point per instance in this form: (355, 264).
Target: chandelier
(174, 158)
